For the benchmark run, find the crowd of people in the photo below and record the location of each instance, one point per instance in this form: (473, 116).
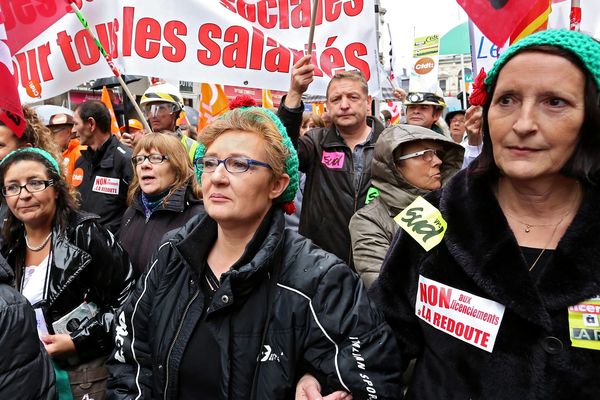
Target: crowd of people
(284, 254)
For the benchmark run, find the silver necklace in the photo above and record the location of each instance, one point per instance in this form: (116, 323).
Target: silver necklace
(41, 246)
(547, 244)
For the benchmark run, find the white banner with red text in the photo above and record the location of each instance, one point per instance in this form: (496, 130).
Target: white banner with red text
(251, 43)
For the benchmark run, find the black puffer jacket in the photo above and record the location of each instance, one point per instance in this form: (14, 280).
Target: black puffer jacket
(330, 195)
(317, 312)
(88, 264)
(140, 238)
(25, 368)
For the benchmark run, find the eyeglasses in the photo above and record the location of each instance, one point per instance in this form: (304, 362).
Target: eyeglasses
(419, 97)
(426, 155)
(151, 110)
(234, 165)
(153, 158)
(33, 186)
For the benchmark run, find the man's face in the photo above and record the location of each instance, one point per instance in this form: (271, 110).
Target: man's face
(161, 115)
(424, 115)
(82, 129)
(347, 104)
(62, 135)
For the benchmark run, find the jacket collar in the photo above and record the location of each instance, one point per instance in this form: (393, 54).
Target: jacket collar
(489, 253)
(176, 203)
(104, 155)
(332, 138)
(253, 266)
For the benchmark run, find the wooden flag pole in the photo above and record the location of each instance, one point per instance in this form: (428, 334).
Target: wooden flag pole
(113, 67)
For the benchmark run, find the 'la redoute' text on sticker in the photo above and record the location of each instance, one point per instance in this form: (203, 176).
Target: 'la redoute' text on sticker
(584, 324)
(423, 222)
(461, 314)
(106, 185)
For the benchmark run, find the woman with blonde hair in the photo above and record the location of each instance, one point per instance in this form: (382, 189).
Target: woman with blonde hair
(235, 306)
(163, 195)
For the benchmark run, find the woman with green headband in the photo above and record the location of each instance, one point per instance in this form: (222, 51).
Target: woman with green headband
(233, 305)
(507, 305)
(72, 270)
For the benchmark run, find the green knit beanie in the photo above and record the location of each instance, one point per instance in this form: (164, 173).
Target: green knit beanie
(586, 48)
(291, 162)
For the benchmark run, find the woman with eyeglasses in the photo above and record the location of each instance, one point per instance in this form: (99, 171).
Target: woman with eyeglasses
(233, 305)
(71, 269)
(408, 161)
(163, 195)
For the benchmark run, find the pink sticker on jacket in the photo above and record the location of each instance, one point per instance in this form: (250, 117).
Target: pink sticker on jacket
(333, 159)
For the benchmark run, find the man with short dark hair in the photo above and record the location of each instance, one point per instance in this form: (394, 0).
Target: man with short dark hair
(103, 172)
(337, 159)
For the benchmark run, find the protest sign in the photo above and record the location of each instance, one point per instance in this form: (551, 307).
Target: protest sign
(231, 42)
(470, 318)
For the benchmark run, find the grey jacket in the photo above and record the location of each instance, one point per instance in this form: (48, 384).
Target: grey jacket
(372, 228)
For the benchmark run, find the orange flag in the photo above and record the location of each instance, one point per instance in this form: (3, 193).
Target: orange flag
(114, 127)
(319, 108)
(267, 98)
(213, 102)
(535, 20)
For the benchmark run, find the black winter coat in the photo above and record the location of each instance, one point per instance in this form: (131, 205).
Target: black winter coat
(140, 238)
(25, 369)
(330, 195)
(315, 308)
(88, 264)
(533, 357)
(107, 173)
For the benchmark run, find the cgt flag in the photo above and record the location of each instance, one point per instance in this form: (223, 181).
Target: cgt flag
(213, 102)
(536, 20)
(106, 100)
(11, 113)
(497, 19)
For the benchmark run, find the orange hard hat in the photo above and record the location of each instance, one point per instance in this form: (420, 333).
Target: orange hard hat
(133, 124)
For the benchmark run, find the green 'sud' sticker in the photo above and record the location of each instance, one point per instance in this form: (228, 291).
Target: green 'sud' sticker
(423, 222)
(371, 195)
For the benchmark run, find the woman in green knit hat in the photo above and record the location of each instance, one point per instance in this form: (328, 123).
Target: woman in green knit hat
(506, 306)
(233, 305)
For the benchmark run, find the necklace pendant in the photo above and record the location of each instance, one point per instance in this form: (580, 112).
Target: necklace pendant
(527, 228)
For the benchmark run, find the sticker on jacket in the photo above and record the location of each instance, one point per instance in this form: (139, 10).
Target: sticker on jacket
(106, 185)
(423, 222)
(372, 194)
(470, 318)
(584, 324)
(333, 159)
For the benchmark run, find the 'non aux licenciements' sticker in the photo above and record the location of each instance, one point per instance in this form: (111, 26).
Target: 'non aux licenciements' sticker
(465, 316)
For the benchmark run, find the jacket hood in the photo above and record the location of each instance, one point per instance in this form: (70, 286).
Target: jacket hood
(394, 190)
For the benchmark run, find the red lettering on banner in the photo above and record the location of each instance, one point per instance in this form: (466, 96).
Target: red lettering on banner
(236, 54)
(43, 53)
(256, 50)
(86, 48)
(107, 35)
(435, 296)
(176, 52)
(64, 42)
(332, 59)
(128, 13)
(277, 59)
(266, 20)
(286, 14)
(212, 54)
(147, 31)
(353, 53)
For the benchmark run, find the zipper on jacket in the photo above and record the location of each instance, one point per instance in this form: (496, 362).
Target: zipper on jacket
(187, 307)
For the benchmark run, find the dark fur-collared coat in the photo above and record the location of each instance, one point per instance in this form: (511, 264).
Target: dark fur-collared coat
(533, 357)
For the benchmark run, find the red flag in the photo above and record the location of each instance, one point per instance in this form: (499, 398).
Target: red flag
(536, 20)
(26, 19)
(497, 19)
(11, 113)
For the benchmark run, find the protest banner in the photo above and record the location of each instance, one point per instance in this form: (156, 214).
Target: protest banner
(463, 315)
(230, 42)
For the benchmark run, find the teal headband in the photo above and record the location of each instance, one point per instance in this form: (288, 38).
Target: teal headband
(584, 47)
(291, 162)
(41, 152)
